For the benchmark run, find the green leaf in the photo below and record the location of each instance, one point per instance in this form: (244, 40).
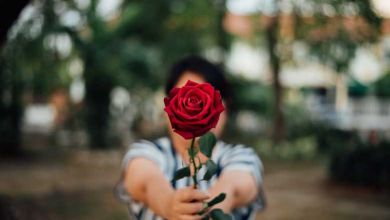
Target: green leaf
(217, 199)
(218, 214)
(181, 173)
(211, 169)
(214, 201)
(207, 143)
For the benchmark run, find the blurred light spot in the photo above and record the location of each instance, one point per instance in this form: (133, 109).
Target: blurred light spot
(307, 9)
(249, 122)
(214, 54)
(39, 117)
(349, 9)
(250, 62)
(365, 67)
(381, 7)
(59, 7)
(71, 18)
(60, 43)
(29, 13)
(77, 90)
(120, 97)
(309, 74)
(64, 45)
(76, 68)
(286, 6)
(300, 51)
(328, 10)
(82, 4)
(108, 9)
(243, 7)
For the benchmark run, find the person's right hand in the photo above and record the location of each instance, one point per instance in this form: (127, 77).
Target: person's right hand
(185, 203)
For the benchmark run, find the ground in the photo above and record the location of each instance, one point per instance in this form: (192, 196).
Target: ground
(80, 187)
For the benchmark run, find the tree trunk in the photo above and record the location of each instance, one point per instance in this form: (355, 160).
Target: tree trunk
(98, 87)
(11, 87)
(222, 38)
(11, 107)
(278, 120)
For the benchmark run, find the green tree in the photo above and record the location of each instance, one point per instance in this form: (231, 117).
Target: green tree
(336, 29)
(333, 30)
(12, 81)
(131, 50)
(115, 54)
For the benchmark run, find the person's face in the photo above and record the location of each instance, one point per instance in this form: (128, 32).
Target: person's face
(199, 79)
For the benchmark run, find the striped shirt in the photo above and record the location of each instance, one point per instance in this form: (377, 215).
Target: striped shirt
(227, 157)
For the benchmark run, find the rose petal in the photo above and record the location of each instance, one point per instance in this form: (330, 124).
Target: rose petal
(173, 92)
(193, 109)
(195, 92)
(190, 83)
(185, 134)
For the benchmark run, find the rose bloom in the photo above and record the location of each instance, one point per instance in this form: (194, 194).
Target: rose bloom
(193, 109)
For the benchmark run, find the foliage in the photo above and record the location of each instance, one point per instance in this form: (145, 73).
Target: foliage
(332, 140)
(110, 59)
(191, 28)
(366, 165)
(304, 148)
(131, 50)
(26, 64)
(299, 123)
(382, 86)
(334, 38)
(250, 95)
(11, 106)
(134, 50)
(357, 89)
(353, 161)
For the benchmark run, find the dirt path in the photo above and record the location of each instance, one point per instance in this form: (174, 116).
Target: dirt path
(302, 191)
(81, 189)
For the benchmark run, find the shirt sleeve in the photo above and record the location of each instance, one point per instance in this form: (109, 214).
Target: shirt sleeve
(144, 149)
(141, 149)
(245, 159)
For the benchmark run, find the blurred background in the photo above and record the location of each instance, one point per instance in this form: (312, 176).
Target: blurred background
(82, 79)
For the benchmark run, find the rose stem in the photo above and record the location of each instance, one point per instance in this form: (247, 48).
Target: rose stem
(192, 158)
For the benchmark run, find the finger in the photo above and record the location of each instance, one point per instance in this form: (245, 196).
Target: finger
(191, 208)
(189, 194)
(191, 217)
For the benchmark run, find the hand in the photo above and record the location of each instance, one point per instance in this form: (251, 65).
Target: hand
(184, 204)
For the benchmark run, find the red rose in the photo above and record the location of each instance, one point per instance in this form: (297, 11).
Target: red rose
(193, 109)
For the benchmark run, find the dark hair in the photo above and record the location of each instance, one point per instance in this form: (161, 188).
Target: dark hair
(212, 73)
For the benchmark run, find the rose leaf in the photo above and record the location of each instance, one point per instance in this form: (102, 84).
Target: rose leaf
(218, 214)
(211, 170)
(217, 199)
(207, 143)
(181, 173)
